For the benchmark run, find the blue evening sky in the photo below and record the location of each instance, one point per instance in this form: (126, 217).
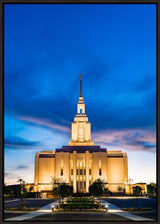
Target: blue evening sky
(46, 47)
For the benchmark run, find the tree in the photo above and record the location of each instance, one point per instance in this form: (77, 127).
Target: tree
(61, 189)
(96, 188)
(55, 183)
(64, 190)
(137, 190)
(21, 192)
(120, 189)
(6, 190)
(151, 189)
(106, 191)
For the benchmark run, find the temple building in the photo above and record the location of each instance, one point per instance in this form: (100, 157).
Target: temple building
(81, 162)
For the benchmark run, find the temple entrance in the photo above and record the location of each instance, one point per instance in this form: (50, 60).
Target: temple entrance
(81, 187)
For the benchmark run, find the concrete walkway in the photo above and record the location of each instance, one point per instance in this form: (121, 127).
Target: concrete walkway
(42, 211)
(11, 200)
(117, 211)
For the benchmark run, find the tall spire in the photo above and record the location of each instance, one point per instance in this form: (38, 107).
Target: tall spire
(81, 128)
(81, 84)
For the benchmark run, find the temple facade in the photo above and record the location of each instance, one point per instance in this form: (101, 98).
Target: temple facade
(81, 162)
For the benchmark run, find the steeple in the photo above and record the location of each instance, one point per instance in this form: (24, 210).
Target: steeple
(81, 84)
(81, 128)
(81, 105)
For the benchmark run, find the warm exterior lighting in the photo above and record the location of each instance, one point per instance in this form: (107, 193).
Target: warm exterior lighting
(81, 162)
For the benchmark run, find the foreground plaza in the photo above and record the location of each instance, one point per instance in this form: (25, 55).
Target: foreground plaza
(115, 211)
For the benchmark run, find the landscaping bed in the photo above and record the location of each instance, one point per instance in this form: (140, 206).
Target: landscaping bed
(23, 209)
(80, 204)
(132, 209)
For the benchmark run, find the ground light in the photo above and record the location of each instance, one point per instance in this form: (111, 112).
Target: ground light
(106, 207)
(52, 206)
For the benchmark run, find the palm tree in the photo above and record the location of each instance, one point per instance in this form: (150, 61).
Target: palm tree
(20, 191)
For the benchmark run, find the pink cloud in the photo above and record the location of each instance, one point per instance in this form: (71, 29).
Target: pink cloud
(45, 123)
(131, 139)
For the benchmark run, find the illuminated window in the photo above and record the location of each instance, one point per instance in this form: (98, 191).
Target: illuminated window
(89, 182)
(84, 184)
(77, 185)
(80, 184)
(100, 170)
(61, 167)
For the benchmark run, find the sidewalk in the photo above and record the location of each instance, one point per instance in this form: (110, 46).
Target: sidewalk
(113, 209)
(42, 211)
(117, 211)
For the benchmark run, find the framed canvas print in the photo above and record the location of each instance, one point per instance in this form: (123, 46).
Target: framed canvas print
(80, 131)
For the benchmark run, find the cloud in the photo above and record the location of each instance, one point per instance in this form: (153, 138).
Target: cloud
(130, 139)
(109, 104)
(17, 142)
(6, 174)
(44, 123)
(22, 167)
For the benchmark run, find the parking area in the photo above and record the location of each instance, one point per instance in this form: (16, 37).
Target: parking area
(128, 202)
(28, 202)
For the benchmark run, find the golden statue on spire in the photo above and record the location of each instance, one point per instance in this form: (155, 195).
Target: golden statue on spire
(81, 76)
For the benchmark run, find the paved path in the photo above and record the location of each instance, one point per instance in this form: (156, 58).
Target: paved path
(112, 209)
(42, 211)
(117, 211)
(11, 200)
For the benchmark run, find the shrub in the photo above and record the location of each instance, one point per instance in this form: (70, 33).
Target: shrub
(13, 209)
(31, 209)
(80, 203)
(132, 209)
(25, 209)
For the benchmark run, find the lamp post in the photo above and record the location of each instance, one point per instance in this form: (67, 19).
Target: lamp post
(58, 193)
